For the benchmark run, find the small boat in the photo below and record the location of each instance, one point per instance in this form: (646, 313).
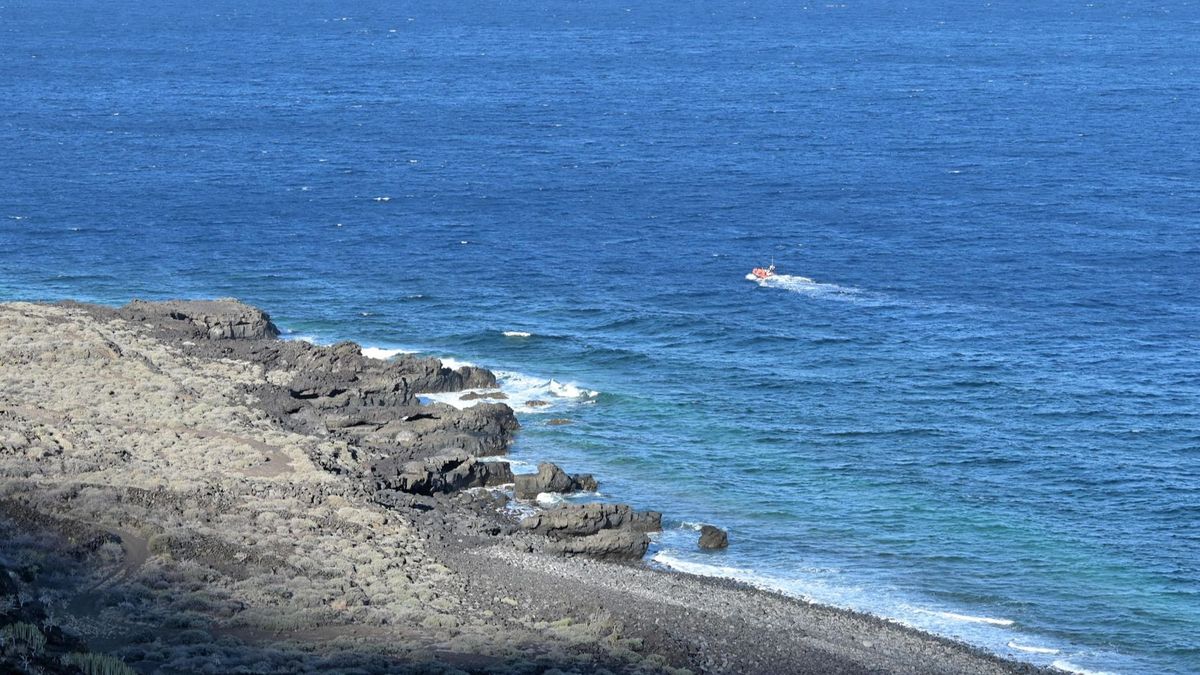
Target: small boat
(763, 272)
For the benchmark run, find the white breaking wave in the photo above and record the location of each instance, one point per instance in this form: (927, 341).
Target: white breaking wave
(549, 499)
(974, 619)
(516, 333)
(384, 354)
(513, 463)
(1080, 670)
(525, 393)
(1032, 649)
(454, 364)
(828, 586)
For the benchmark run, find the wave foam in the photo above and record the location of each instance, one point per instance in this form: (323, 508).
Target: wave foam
(1032, 649)
(1079, 670)
(546, 395)
(453, 363)
(967, 618)
(383, 354)
(517, 333)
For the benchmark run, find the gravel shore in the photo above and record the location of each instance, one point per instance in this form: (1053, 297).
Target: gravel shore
(181, 491)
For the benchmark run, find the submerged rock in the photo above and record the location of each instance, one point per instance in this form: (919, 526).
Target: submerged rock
(713, 537)
(550, 478)
(475, 395)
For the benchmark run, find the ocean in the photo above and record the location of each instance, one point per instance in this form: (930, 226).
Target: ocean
(971, 400)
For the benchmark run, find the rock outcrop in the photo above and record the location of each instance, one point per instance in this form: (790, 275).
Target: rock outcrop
(442, 473)
(713, 537)
(225, 319)
(550, 478)
(577, 520)
(605, 545)
(608, 531)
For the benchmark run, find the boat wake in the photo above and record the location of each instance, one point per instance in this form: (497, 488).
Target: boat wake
(806, 286)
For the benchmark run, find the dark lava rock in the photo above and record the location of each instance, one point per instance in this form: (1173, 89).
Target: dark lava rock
(225, 319)
(442, 473)
(605, 545)
(713, 537)
(550, 478)
(579, 520)
(475, 396)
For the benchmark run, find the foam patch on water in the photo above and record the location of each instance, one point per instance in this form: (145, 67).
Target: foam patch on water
(517, 334)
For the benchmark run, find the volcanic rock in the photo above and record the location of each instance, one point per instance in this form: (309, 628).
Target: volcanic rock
(713, 537)
(550, 478)
(442, 473)
(578, 520)
(225, 319)
(605, 545)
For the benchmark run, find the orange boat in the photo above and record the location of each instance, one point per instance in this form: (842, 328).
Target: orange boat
(763, 272)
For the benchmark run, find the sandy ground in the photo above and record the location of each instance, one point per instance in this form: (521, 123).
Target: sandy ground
(157, 506)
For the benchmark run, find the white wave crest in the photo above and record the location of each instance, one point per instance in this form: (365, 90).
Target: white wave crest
(973, 619)
(1032, 649)
(383, 353)
(1062, 664)
(549, 499)
(517, 333)
(525, 393)
(453, 363)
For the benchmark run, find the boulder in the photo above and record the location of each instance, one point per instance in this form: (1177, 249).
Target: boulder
(550, 478)
(579, 520)
(442, 473)
(713, 537)
(605, 545)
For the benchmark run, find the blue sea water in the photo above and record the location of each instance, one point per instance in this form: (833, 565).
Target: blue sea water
(982, 415)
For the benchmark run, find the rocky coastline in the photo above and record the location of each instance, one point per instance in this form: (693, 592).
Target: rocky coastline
(182, 491)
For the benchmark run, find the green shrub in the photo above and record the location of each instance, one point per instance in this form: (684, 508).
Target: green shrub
(22, 638)
(97, 664)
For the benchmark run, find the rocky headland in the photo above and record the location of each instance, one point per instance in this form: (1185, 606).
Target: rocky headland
(181, 491)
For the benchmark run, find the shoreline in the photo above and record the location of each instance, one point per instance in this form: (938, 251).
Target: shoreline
(472, 589)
